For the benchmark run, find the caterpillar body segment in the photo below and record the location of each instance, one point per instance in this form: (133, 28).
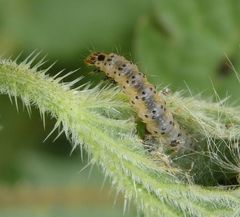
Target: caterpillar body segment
(149, 104)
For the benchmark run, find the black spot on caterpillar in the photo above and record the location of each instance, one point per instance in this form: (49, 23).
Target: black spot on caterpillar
(150, 105)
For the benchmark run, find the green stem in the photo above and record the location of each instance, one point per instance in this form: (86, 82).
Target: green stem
(86, 119)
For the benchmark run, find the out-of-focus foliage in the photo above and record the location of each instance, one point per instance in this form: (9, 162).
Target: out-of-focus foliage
(50, 186)
(188, 41)
(67, 29)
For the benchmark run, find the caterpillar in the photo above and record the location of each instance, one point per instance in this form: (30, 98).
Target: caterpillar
(148, 103)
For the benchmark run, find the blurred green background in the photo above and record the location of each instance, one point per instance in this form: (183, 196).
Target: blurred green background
(185, 44)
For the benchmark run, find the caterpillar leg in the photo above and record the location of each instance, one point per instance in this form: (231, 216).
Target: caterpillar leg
(156, 151)
(166, 91)
(106, 78)
(97, 70)
(149, 143)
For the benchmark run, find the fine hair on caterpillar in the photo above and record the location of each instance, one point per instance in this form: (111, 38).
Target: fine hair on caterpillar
(148, 103)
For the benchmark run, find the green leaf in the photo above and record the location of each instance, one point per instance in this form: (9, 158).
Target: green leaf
(63, 28)
(186, 42)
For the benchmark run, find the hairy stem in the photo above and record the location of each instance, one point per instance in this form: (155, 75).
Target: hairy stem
(92, 118)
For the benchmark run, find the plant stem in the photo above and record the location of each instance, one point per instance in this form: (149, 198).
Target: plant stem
(88, 119)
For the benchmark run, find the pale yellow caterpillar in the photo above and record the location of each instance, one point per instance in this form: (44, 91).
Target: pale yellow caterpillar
(149, 104)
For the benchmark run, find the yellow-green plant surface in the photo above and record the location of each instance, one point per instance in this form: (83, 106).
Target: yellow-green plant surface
(93, 119)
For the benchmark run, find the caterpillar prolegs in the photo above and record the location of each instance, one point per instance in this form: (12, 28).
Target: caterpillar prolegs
(149, 104)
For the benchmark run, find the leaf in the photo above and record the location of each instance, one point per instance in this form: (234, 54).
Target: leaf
(65, 28)
(186, 41)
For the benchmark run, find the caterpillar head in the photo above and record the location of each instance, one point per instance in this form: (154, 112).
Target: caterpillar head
(95, 58)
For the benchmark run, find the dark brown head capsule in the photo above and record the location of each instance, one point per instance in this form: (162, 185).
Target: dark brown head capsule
(94, 57)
